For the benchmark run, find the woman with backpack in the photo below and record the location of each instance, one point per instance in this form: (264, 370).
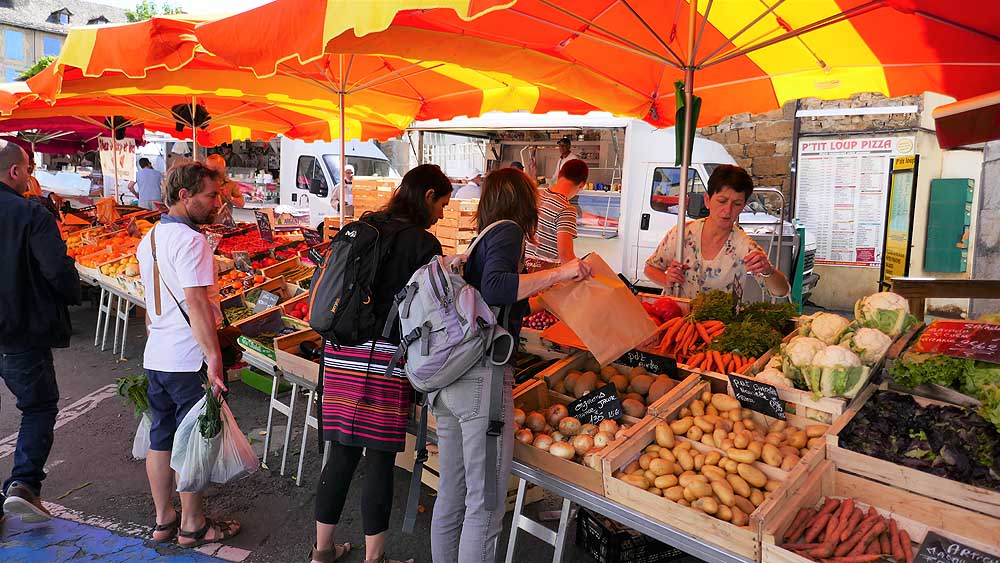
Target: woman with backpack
(465, 527)
(363, 409)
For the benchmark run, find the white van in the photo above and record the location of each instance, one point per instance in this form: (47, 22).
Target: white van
(310, 173)
(625, 227)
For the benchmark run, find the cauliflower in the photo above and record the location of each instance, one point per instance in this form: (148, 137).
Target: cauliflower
(827, 327)
(868, 343)
(775, 362)
(886, 311)
(797, 355)
(774, 377)
(836, 372)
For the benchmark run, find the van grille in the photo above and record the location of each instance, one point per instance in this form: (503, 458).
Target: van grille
(807, 266)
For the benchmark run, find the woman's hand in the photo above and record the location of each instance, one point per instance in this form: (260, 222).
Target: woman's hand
(575, 270)
(675, 274)
(758, 264)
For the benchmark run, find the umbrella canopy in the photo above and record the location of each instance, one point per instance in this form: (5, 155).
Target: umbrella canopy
(967, 122)
(62, 135)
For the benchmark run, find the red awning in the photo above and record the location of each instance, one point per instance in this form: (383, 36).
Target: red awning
(970, 121)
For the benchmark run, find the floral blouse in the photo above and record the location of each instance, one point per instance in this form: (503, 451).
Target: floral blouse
(721, 272)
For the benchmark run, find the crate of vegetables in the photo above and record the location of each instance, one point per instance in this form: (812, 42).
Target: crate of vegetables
(835, 517)
(551, 440)
(298, 308)
(708, 466)
(928, 447)
(299, 354)
(531, 341)
(258, 332)
(293, 270)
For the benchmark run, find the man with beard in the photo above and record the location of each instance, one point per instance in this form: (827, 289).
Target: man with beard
(182, 351)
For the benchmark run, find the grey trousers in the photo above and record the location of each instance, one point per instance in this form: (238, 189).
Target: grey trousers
(462, 529)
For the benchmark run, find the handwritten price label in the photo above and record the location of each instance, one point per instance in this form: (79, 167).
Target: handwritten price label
(650, 362)
(961, 339)
(602, 404)
(939, 549)
(758, 396)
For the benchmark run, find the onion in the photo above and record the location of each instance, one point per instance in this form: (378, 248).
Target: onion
(558, 437)
(535, 421)
(542, 442)
(570, 426)
(589, 429)
(602, 439)
(556, 413)
(524, 436)
(519, 416)
(562, 449)
(548, 429)
(609, 426)
(582, 443)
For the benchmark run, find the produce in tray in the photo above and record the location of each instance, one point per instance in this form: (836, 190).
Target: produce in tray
(842, 531)
(637, 389)
(298, 310)
(948, 441)
(290, 251)
(527, 366)
(886, 311)
(235, 281)
(236, 314)
(297, 274)
(540, 320)
(563, 436)
(266, 339)
(828, 327)
(662, 310)
(974, 378)
(265, 262)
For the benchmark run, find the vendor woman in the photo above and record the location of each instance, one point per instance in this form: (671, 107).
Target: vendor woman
(717, 252)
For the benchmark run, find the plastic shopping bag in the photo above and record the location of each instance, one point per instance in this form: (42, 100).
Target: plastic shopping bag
(194, 455)
(236, 456)
(140, 444)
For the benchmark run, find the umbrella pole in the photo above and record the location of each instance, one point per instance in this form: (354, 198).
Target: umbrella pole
(686, 158)
(343, 142)
(114, 152)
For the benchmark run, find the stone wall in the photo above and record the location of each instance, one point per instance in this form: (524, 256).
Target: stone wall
(986, 265)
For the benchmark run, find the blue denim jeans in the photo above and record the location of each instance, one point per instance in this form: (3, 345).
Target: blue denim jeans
(31, 377)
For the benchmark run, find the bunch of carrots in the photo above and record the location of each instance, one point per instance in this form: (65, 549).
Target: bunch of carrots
(687, 340)
(840, 532)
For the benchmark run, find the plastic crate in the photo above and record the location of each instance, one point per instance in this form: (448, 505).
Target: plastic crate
(608, 545)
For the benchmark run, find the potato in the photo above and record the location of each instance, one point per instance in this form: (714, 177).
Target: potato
(706, 397)
(746, 413)
(724, 513)
(640, 472)
(752, 475)
(684, 502)
(688, 495)
(569, 382)
(699, 461)
(703, 423)
(649, 475)
(644, 460)
(631, 466)
(700, 488)
(738, 427)
(688, 477)
(771, 455)
(607, 372)
(777, 426)
(683, 446)
(798, 439)
(815, 430)
(731, 466)
(711, 410)
(706, 505)
(674, 493)
(685, 460)
(744, 505)
(555, 413)
(789, 462)
(726, 444)
(665, 481)
(697, 407)
(756, 447)
(815, 443)
(634, 408)
(660, 387)
(535, 421)
(724, 402)
(695, 433)
(786, 451)
(708, 440)
(661, 467)
(712, 458)
(585, 384)
(636, 371)
(655, 490)
(739, 485)
(621, 383)
(741, 440)
(713, 473)
(640, 384)
(685, 412)
(636, 481)
(682, 425)
(652, 449)
(741, 456)
(725, 424)
(740, 517)
(772, 485)
(756, 497)
(664, 435)
(749, 424)
(719, 436)
(667, 455)
(569, 426)
(774, 438)
(724, 491)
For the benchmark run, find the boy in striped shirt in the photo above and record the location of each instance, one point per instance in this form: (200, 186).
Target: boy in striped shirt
(553, 243)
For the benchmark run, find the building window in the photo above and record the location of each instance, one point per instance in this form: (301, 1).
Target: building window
(99, 20)
(60, 17)
(51, 46)
(11, 74)
(13, 44)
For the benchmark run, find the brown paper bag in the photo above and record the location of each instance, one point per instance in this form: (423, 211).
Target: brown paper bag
(602, 311)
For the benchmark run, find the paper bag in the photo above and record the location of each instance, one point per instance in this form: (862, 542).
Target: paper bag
(601, 310)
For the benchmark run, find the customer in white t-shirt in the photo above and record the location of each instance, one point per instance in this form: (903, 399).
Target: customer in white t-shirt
(182, 350)
(149, 181)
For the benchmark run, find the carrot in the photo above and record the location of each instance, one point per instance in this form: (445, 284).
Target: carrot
(817, 526)
(852, 523)
(872, 512)
(828, 534)
(800, 546)
(875, 548)
(855, 559)
(712, 325)
(897, 547)
(702, 332)
(846, 510)
(671, 333)
(823, 551)
(719, 362)
(696, 359)
(847, 545)
(859, 548)
(904, 542)
(885, 547)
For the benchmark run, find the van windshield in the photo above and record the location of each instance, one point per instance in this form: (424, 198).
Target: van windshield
(363, 166)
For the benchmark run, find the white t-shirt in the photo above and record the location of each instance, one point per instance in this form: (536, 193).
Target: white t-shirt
(559, 164)
(185, 260)
(468, 191)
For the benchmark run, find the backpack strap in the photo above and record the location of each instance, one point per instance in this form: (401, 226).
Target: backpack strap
(413, 496)
(498, 354)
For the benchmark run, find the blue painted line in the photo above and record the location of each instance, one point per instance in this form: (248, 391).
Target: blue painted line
(59, 541)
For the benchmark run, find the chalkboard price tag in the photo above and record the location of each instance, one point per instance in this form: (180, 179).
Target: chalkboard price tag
(312, 237)
(651, 362)
(265, 301)
(602, 404)
(264, 226)
(758, 396)
(939, 549)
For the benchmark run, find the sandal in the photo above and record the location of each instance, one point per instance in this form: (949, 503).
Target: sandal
(225, 529)
(330, 555)
(385, 559)
(171, 528)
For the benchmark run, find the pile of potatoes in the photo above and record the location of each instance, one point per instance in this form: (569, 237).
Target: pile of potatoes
(564, 436)
(636, 388)
(722, 482)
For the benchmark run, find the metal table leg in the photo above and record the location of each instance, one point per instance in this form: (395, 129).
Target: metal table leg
(128, 310)
(556, 539)
(102, 311)
(118, 324)
(288, 427)
(273, 405)
(311, 422)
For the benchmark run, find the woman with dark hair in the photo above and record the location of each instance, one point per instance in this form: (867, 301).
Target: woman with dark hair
(362, 409)
(464, 528)
(717, 252)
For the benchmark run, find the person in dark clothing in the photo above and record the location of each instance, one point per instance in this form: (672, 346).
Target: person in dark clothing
(463, 529)
(363, 409)
(37, 284)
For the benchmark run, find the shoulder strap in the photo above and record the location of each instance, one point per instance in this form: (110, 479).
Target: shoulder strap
(156, 281)
(482, 235)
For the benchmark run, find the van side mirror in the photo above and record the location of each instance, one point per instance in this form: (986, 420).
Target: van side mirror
(316, 187)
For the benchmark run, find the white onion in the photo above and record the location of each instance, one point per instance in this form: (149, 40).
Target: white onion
(582, 443)
(519, 416)
(589, 429)
(535, 421)
(543, 441)
(609, 426)
(602, 439)
(524, 436)
(570, 426)
(556, 413)
(562, 449)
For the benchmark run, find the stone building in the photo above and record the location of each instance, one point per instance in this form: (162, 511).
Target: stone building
(32, 29)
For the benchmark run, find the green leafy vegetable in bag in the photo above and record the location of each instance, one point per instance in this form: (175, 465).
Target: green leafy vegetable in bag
(132, 389)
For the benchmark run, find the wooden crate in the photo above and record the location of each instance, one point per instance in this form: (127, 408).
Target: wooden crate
(537, 396)
(913, 513)
(286, 350)
(744, 541)
(531, 341)
(945, 490)
(270, 320)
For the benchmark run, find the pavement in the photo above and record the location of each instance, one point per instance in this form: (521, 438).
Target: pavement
(100, 495)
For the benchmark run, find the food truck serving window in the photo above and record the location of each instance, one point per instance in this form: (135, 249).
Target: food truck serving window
(309, 176)
(664, 193)
(363, 166)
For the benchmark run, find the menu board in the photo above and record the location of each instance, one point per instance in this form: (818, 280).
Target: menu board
(842, 186)
(961, 339)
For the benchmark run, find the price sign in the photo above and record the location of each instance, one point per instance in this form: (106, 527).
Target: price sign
(596, 406)
(265, 301)
(758, 396)
(312, 237)
(939, 549)
(264, 226)
(962, 339)
(651, 362)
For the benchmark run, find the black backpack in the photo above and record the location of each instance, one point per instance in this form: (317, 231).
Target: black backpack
(341, 308)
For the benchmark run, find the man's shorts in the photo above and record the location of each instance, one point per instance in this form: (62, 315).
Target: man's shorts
(171, 395)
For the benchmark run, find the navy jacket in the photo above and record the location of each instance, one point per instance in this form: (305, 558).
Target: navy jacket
(37, 280)
(493, 268)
